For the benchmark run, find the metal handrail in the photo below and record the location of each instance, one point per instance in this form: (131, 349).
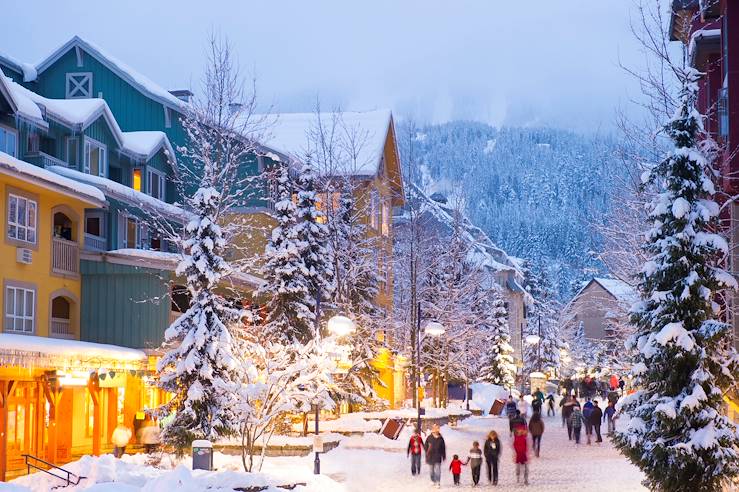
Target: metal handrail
(68, 478)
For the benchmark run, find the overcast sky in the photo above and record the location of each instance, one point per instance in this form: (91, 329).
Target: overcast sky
(536, 62)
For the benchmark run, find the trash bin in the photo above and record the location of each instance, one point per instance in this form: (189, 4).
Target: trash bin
(202, 455)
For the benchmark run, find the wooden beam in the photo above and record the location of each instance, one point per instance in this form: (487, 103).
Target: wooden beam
(3, 430)
(93, 385)
(53, 396)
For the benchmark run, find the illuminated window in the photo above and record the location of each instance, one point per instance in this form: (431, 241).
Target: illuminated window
(89, 413)
(136, 181)
(374, 209)
(385, 218)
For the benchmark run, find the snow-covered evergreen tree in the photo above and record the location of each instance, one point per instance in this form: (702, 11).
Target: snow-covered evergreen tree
(290, 302)
(497, 365)
(677, 434)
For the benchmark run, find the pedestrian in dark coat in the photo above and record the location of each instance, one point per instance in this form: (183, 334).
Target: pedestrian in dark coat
(567, 409)
(596, 417)
(491, 450)
(576, 421)
(435, 453)
(550, 404)
(536, 428)
(610, 415)
(587, 412)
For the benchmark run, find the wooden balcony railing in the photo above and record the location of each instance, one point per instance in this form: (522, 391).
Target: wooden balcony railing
(65, 256)
(45, 160)
(61, 327)
(95, 243)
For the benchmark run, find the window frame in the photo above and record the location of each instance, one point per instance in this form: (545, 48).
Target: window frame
(25, 288)
(152, 173)
(87, 164)
(71, 92)
(10, 131)
(373, 209)
(69, 140)
(14, 194)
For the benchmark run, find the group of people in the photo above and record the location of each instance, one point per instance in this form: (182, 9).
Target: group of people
(590, 416)
(148, 435)
(590, 387)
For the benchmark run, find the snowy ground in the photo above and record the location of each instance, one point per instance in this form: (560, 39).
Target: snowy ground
(377, 464)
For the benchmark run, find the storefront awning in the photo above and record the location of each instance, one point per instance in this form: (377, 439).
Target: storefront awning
(53, 353)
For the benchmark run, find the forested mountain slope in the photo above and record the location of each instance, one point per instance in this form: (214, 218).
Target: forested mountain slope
(535, 191)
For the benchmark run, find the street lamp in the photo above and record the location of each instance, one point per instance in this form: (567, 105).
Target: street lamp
(435, 329)
(340, 326)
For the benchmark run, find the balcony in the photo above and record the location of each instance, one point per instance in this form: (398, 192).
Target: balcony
(65, 257)
(95, 243)
(44, 160)
(61, 327)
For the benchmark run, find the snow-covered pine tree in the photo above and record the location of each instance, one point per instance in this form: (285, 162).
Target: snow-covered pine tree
(677, 434)
(497, 365)
(290, 302)
(312, 235)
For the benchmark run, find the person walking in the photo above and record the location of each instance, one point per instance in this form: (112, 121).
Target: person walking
(456, 468)
(550, 404)
(567, 408)
(536, 404)
(587, 412)
(150, 436)
(576, 421)
(491, 450)
(415, 450)
(610, 415)
(521, 447)
(474, 459)
(522, 406)
(536, 428)
(510, 411)
(121, 436)
(596, 417)
(435, 454)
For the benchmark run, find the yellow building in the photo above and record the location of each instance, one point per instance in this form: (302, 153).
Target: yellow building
(364, 150)
(53, 396)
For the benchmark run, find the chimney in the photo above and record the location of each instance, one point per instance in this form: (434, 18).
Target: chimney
(182, 94)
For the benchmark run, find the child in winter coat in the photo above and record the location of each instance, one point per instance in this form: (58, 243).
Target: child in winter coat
(456, 467)
(521, 447)
(474, 459)
(610, 415)
(415, 450)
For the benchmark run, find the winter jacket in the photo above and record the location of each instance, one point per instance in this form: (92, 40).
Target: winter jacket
(520, 444)
(536, 405)
(510, 409)
(121, 436)
(456, 467)
(475, 457)
(523, 407)
(491, 449)
(567, 409)
(596, 416)
(415, 445)
(609, 412)
(539, 396)
(518, 421)
(536, 427)
(435, 449)
(576, 419)
(587, 411)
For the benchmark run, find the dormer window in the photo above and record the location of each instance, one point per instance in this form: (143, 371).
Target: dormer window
(96, 158)
(155, 184)
(79, 85)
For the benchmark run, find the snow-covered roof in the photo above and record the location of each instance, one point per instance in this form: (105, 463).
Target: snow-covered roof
(124, 193)
(619, 289)
(81, 113)
(142, 83)
(702, 35)
(169, 261)
(50, 180)
(290, 134)
(55, 353)
(28, 70)
(21, 104)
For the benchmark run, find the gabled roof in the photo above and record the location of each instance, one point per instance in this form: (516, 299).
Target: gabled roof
(20, 104)
(26, 69)
(623, 293)
(46, 179)
(290, 134)
(140, 82)
(78, 114)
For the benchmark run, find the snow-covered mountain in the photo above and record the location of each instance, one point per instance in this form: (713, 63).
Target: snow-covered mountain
(534, 191)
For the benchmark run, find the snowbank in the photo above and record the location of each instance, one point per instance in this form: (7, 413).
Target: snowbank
(484, 394)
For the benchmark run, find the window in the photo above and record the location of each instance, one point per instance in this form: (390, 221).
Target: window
(96, 158)
(385, 218)
(155, 184)
(94, 226)
(8, 140)
(21, 219)
(33, 143)
(79, 85)
(20, 308)
(131, 232)
(374, 209)
(136, 180)
(73, 151)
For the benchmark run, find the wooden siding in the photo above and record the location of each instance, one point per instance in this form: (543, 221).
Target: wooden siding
(124, 305)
